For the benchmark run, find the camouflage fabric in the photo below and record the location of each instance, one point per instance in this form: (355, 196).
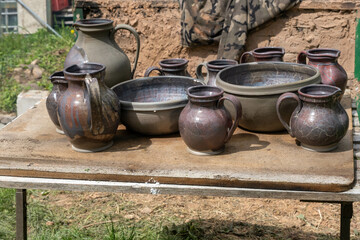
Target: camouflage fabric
(226, 21)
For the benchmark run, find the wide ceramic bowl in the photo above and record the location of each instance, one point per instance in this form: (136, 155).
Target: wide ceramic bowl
(152, 105)
(258, 85)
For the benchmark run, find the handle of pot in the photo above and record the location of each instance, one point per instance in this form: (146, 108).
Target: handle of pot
(199, 73)
(301, 58)
(238, 113)
(136, 35)
(282, 98)
(150, 69)
(94, 97)
(243, 56)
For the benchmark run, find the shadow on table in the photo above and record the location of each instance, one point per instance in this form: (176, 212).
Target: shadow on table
(129, 141)
(222, 229)
(245, 142)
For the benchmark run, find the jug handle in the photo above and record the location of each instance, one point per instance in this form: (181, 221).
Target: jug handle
(301, 58)
(150, 69)
(282, 98)
(243, 56)
(136, 35)
(94, 97)
(238, 113)
(199, 73)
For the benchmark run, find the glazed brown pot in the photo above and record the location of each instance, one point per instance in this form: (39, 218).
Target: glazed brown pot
(96, 43)
(59, 87)
(88, 110)
(204, 124)
(325, 59)
(169, 67)
(319, 121)
(264, 54)
(213, 67)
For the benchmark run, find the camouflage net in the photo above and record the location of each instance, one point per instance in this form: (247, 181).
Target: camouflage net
(205, 22)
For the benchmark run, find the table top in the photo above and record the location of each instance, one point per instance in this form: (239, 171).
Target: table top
(30, 147)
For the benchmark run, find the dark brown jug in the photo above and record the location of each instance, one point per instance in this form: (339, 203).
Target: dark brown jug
(319, 122)
(205, 124)
(264, 54)
(96, 43)
(59, 87)
(171, 66)
(325, 60)
(88, 110)
(213, 67)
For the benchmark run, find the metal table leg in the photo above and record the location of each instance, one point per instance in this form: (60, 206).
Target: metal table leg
(346, 215)
(21, 221)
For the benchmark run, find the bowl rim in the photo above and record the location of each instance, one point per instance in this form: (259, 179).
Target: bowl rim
(155, 106)
(271, 89)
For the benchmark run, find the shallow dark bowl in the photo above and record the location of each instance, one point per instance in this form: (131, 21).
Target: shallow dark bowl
(258, 85)
(152, 105)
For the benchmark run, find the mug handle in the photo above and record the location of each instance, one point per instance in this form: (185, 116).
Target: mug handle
(150, 69)
(199, 73)
(301, 58)
(92, 85)
(282, 98)
(238, 113)
(136, 35)
(243, 56)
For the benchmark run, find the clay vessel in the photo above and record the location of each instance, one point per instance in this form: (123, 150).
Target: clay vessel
(264, 54)
(319, 122)
(213, 67)
(59, 87)
(88, 110)
(95, 43)
(205, 124)
(169, 67)
(325, 60)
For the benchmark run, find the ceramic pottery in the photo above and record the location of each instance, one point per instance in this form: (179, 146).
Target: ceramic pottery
(319, 122)
(95, 43)
(152, 105)
(264, 54)
(88, 110)
(326, 61)
(59, 87)
(169, 67)
(258, 85)
(204, 124)
(213, 67)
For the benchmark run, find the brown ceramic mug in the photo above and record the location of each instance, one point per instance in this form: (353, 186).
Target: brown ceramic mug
(213, 67)
(171, 66)
(264, 54)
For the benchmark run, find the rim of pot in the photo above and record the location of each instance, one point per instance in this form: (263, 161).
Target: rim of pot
(195, 93)
(94, 24)
(328, 91)
(219, 64)
(71, 75)
(58, 77)
(173, 62)
(271, 89)
(319, 53)
(154, 106)
(268, 50)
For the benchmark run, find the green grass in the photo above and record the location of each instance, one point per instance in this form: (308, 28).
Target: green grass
(20, 50)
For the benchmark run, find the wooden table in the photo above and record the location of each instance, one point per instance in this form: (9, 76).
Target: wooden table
(34, 156)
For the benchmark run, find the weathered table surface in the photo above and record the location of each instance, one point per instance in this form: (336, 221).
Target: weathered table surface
(30, 147)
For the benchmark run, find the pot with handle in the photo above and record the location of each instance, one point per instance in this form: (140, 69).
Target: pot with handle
(264, 54)
(212, 68)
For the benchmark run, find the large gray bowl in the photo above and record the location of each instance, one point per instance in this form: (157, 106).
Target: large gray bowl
(152, 105)
(258, 85)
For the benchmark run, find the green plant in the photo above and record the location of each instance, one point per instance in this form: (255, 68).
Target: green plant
(9, 89)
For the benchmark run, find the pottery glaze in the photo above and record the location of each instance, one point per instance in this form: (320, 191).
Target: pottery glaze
(89, 112)
(212, 68)
(319, 121)
(170, 67)
(264, 54)
(59, 87)
(96, 43)
(204, 124)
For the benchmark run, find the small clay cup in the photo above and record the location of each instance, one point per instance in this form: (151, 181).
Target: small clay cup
(169, 67)
(273, 54)
(213, 67)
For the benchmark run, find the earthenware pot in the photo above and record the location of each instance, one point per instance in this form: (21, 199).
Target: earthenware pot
(213, 67)
(264, 54)
(326, 60)
(96, 43)
(59, 87)
(205, 125)
(258, 85)
(171, 66)
(152, 105)
(88, 110)
(319, 121)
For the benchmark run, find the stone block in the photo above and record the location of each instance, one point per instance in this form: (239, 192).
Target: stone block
(28, 99)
